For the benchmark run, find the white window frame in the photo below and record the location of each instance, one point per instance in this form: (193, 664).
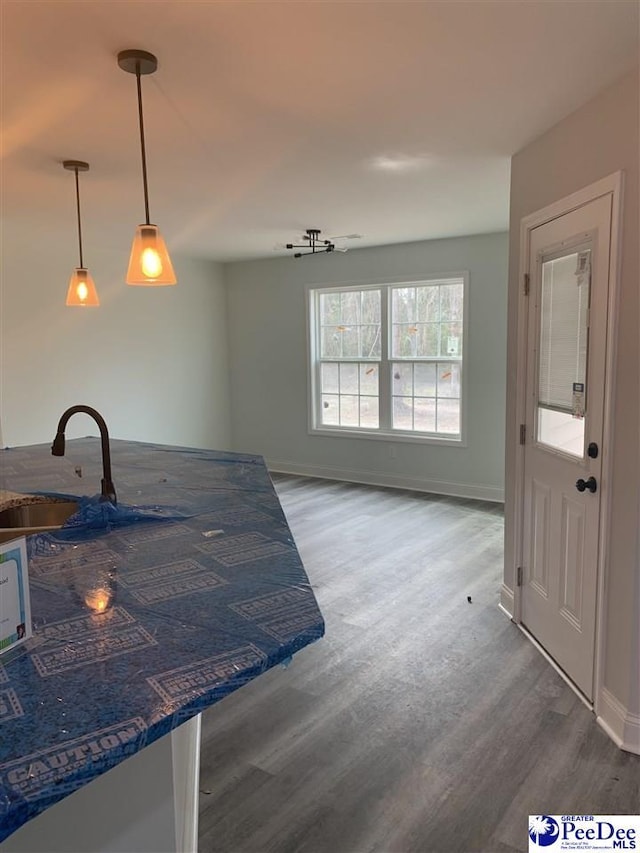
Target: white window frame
(384, 432)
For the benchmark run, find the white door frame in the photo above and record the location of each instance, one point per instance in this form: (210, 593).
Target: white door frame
(612, 184)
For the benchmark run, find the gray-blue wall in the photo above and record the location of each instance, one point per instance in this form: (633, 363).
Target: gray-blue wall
(268, 367)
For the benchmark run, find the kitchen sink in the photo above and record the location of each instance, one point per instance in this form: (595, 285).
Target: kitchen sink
(34, 518)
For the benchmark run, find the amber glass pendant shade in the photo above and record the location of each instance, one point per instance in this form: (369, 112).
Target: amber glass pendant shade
(149, 263)
(82, 291)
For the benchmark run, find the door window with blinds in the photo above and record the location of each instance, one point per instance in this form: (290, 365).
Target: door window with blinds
(562, 351)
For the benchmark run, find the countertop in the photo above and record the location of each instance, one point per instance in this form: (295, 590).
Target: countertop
(142, 617)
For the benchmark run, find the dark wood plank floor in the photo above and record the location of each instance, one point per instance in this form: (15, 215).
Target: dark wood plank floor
(421, 722)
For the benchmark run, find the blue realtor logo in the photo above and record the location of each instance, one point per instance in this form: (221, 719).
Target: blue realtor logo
(543, 830)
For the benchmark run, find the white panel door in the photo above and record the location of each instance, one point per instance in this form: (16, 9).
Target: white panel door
(566, 349)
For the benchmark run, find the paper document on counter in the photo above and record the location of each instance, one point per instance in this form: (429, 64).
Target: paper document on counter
(15, 607)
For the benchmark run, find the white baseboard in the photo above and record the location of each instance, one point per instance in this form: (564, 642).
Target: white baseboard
(375, 478)
(622, 727)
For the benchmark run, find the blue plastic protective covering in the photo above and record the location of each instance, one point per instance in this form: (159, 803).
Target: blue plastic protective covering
(144, 613)
(94, 515)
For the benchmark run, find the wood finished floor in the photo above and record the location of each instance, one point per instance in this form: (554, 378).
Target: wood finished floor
(421, 722)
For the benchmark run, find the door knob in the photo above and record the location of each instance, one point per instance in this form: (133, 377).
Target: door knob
(590, 485)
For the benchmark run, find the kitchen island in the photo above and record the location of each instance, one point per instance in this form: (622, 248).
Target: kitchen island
(144, 615)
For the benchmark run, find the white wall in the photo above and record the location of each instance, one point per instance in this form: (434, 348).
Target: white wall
(598, 139)
(268, 367)
(153, 361)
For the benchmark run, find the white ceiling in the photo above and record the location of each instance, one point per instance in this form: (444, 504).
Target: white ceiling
(395, 120)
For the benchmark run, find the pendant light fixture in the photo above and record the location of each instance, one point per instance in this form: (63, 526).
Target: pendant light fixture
(81, 290)
(149, 263)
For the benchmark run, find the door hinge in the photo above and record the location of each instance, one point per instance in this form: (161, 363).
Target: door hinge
(526, 284)
(523, 433)
(519, 576)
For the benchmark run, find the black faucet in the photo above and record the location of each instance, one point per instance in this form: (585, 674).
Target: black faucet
(57, 448)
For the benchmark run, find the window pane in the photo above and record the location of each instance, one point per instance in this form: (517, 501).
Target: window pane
(350, 303)
(402, 413)
(351, 342)
(348, 378)
(370, 342)
(329, 378)
(448, 416)
(330, 410)
(403, 305)
(563, 332)
(448, 380)
(369, 379)
(424, 414)
(428, 304)
(451, 301)
(428, 337)
(349, 410)
(369, 412)
(424, 378)
(330, 309)
(562, 431)
(330, 344)
(402, 380)
(451, 339)
(403, 344)
(563, 352)
(371, 306)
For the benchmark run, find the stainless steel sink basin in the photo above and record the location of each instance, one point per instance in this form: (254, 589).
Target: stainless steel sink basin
(34, 518)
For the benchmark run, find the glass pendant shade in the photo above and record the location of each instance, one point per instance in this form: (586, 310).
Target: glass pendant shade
(82, 290)
(149, 263)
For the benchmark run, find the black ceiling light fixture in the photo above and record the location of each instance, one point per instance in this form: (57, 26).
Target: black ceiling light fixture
(313, 243)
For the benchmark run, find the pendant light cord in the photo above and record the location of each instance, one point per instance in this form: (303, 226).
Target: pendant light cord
(79, 221)
(142, 147)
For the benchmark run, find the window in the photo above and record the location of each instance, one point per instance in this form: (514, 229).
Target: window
(387, 359)
(562, 350)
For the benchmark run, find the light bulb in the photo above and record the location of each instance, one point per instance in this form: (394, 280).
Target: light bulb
(151, 263)
(98, 599)
(82, 291)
